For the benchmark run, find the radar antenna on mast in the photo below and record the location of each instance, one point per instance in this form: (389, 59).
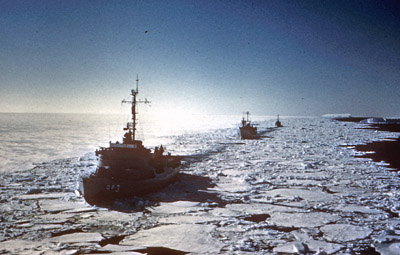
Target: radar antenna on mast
(132, 129)
(137, 83)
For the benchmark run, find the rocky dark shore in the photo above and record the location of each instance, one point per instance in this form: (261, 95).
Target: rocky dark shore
(384, 151)
(387, 151)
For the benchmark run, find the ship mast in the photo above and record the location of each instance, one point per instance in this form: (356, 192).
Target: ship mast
(132, 129)
(134, 93)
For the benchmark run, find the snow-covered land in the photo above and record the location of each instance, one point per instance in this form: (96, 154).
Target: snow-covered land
(298, 190)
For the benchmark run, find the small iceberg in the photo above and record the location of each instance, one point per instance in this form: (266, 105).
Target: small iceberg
(380, 121)
(337, 115)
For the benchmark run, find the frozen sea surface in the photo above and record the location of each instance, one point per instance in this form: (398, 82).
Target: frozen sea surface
(297, 190)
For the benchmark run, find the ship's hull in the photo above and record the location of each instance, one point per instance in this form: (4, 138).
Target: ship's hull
(248, 133)
(97, 190)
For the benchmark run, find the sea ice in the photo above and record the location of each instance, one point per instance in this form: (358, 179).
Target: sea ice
(308, 247)
(195, 238)
(17, 246)
(302, 220)
(341, 233)
(388, 248)
(297, 190)
(176, 207)
(78, 238)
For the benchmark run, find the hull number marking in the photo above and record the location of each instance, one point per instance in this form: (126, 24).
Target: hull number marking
(113, 187)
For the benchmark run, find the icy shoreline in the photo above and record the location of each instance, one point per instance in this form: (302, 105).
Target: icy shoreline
(298, 190)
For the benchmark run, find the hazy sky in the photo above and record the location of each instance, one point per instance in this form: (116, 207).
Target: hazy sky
(214, 57)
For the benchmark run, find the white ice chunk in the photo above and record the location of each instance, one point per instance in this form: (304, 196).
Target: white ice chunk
(302, 220)
(17, 246)
(345, 232)
(192, 238)
(336, 115)
(309, 195)
(78, 238)
(388, 248)
(312, 245)
(175, 207)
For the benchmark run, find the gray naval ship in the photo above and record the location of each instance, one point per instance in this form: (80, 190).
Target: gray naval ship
(129, 169)
(248, 130)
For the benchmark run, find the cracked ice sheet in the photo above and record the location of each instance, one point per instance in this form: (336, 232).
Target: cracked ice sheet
(254, 208)
(106, 216)
(302, 220)
(17, 246)
(192, 238)
(345, 232)
(183, 212)
(176, 207)
(233, 185)
(119, 250)
(357, 208)
(58, 205)
(63, 195)
(313, 245)
(388, 248)
(295, 197)
(307, 195)
(80, 237)
(189, 219)
(52, 218)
